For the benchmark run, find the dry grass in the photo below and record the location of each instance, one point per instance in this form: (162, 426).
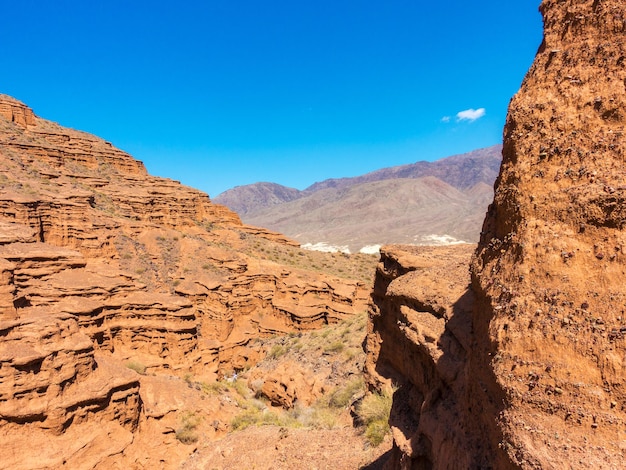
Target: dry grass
(373, 411)
(358, 266)
(340, 345)
(187, 433)
(137, 367)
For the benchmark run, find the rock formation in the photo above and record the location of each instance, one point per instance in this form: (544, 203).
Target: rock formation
(527, 367)
(104, 267)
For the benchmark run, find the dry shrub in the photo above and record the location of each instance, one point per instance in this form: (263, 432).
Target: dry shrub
(374, 411)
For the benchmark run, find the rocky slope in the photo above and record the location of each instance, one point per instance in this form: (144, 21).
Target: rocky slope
(106, 269)
(252, 198)
(406, 210)
(526, 367)
(415, 203)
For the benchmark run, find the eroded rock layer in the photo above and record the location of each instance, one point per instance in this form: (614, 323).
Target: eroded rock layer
(550, 268)
(420, 342)
(541, 381)
(104, 269)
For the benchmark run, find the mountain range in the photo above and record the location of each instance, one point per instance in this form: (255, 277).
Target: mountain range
(421, 203)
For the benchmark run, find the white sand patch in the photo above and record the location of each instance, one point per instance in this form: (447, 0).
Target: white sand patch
(370, 249)
(437, 240)
(325, 247)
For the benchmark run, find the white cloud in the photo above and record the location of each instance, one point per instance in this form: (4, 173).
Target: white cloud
(445, 119)
(470, 114)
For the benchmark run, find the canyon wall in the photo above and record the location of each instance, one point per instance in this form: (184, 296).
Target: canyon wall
(529, 371)
(105, 269)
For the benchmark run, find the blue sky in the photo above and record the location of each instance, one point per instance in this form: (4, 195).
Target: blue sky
(219, 93)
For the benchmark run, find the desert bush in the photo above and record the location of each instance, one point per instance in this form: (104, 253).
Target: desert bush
(187, 432)
(214, 388)
(341, 397)
(374, 411)
(256, 413)
(276, 351)
(322, 418)
(334, 347)
(241, 387)
(137, 367)
(376, 431)
(254, 417)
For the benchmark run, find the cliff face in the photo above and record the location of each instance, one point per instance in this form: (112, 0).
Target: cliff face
(549, 270)
(103, 265)
(542, 372)
(419, 341)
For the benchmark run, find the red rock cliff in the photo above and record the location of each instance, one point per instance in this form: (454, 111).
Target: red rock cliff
(103, 265)
(540, 377)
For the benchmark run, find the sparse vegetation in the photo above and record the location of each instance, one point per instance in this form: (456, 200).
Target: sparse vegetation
(257, 413)
(374, 411)
(137, 367)
(187, 433)
(214, 388)
(277, 351)
(338, 344)
(335, 347)
(341, 397)
(357, 266)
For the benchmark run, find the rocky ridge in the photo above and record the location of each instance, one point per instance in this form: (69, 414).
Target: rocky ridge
(525, 368)
(105, 267)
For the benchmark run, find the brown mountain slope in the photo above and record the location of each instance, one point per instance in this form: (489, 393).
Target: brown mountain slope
(403, 210)
(250, 198)
(392, 205)
(107, 271)
(526, 368)
(459, 171)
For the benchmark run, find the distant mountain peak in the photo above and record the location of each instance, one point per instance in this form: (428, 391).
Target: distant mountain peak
(403, 204)
(248, 198)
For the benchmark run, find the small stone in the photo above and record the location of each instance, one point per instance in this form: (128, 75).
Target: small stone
(600, 255)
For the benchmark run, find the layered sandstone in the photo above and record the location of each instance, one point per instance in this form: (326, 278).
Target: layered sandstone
(538, 372)
(104, 267)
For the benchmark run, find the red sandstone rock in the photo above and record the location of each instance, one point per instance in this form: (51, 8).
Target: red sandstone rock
(103, 265)
(526, 369)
